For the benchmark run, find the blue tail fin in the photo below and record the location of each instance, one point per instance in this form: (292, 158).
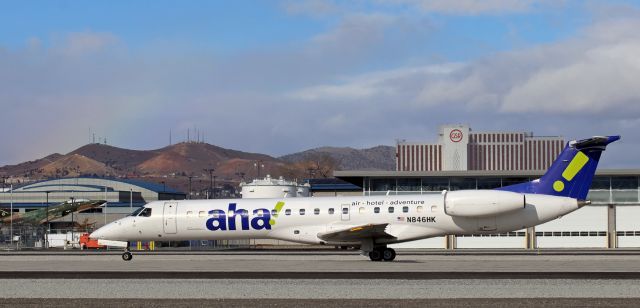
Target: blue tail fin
(571, 173)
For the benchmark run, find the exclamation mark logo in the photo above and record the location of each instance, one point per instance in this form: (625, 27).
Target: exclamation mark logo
(278, 208)
(572, 169)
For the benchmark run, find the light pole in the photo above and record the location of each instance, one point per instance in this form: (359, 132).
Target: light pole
(46, 238)
(258, 164)
(190, 177)
(72, 220)
(215, 195)
(11, 196)
(210, 170)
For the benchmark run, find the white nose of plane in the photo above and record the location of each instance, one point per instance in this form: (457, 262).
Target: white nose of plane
(110, 231)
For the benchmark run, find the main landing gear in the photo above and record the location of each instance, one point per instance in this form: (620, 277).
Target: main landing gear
(383, 253)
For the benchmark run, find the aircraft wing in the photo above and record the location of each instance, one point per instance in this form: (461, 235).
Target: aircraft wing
(354, 234)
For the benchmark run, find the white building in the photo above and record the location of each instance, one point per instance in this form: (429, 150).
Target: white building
(273, 188)
(459, 148)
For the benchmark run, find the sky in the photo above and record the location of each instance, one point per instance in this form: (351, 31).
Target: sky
(277, 77)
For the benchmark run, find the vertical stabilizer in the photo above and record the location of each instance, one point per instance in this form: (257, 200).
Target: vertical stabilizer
(571, 173)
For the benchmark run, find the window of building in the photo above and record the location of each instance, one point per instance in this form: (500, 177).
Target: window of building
(376, 210)
(391, 209)
(331, 211)
(405, 209)
(316, 211)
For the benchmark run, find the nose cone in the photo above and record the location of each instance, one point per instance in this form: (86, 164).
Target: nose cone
(108, 232)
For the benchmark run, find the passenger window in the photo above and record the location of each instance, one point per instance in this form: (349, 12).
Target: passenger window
(258, 213)
(362, 210)
(244, 213)
(201, 214)
(434, 208)
(376, 210)
(316, 211)
(274, 213)
(287, 212)
(231, 213)
(391, 208)
(405, 209)
(189, 213)
(296, 231)
(215, 214)
(302, 211)
(331, 211)
(146, 212)
(420, 208)
(345, 210)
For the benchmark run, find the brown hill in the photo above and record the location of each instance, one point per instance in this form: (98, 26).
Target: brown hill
(193, 158)
(123, 160)
(29, 169)
(377, 158)
(75, 165)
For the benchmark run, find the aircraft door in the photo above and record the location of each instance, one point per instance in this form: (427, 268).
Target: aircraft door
(169, 217)
(346, 216)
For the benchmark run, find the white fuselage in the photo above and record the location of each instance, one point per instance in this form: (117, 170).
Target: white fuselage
(408, 217)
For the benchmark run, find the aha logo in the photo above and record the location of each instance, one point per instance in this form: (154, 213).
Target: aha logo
(455, 135)
(220, 220)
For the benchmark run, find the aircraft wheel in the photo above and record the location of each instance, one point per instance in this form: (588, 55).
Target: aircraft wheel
(127, 256)
(375, 255)
(388, 254)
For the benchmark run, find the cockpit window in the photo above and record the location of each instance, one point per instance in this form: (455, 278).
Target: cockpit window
(146, 212)
(136, 212)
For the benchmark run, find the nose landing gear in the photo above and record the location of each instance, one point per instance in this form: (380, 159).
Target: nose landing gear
(127, 256)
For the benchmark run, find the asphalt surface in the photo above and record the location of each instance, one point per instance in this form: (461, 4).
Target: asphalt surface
(342, 303)
(310, 263)
(328, 278)
(318, 288)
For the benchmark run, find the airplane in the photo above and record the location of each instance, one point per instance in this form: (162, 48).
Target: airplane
(371, 223)
(39, 216)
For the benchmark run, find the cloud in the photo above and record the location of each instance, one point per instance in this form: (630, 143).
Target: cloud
(594, 73)
(359, 83)
(473, 7)
(75, 44)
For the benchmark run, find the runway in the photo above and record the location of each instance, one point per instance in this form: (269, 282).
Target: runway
(319, 262)
(343, 279)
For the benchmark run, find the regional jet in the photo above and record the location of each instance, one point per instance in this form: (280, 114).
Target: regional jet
(371, 223)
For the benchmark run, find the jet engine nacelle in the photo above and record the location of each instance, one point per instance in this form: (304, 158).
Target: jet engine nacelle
(477, 203)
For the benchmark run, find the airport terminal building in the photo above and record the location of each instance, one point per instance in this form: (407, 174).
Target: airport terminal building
(119, 193)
